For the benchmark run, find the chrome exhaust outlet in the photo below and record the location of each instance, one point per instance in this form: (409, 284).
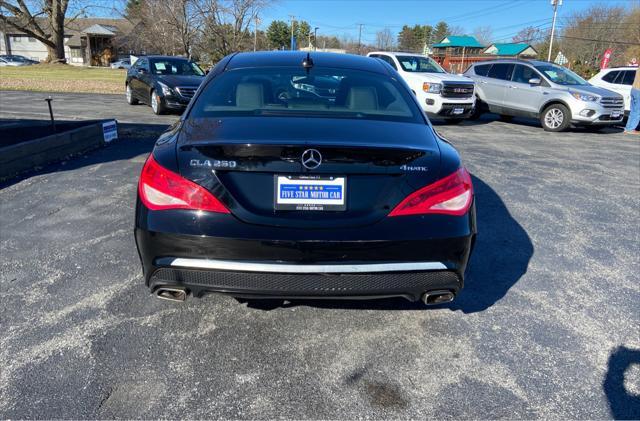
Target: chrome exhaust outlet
(432, 298)
(171, 293)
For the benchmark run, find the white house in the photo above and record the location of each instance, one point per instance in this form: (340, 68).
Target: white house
(90, 41)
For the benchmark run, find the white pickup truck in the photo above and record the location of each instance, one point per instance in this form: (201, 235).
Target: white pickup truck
(441, 94)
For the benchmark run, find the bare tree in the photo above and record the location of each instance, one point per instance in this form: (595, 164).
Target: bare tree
(484, 34)
(226, 25)
(384, 40)
(26, 17)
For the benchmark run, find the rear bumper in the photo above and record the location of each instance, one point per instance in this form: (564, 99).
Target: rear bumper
(251, 284)
(263, 261)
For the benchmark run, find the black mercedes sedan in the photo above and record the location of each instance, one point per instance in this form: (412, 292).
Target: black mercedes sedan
(164, 83)
(270, 186)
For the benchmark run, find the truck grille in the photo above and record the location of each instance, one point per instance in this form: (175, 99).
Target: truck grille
(186, 91)
(612, 102)
(457, 90)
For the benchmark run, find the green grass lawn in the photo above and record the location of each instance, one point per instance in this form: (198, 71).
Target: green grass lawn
(62, 78)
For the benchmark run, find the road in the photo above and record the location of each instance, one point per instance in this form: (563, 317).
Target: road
(547, 326)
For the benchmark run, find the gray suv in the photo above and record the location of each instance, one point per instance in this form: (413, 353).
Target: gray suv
(543, 90)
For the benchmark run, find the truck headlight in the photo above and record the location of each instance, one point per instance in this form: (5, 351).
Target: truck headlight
(585, 97)
(165, 89)
(432, 88)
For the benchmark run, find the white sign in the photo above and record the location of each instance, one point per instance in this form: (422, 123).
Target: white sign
(110, 130)
(561, 59)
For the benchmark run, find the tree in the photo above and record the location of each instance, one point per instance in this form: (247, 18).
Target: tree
(226, 25)
(414, 38)
(440, 31)
(484, 34)
(587, 34)
(384, 40)
(23, 16)
(278, 34)
(302, 32)
(528, 35)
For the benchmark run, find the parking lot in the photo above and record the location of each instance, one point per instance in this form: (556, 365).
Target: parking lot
(543, 329)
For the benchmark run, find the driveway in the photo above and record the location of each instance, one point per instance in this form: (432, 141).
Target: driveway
(546, 327)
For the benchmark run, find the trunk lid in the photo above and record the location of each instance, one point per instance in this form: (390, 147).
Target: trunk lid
(239, 158)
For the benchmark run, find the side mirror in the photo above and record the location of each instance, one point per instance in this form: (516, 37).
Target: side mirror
(535, 81)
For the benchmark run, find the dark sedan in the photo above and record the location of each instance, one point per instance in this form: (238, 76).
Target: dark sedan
(164, 83)
(266, 189)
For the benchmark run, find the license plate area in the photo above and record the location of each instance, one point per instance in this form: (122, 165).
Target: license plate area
(616, 114)
(310, 193)
(458, 111)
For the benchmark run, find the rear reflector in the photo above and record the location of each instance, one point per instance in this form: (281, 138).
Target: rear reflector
(161, 189)
(451, 195)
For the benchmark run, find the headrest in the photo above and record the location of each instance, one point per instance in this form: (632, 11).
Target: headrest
(362, 98)
(249, 95)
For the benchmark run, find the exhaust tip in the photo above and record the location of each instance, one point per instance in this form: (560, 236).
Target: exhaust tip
(171, 294)
(432, 298)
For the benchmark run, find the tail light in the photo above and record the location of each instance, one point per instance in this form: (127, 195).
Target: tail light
(451, 195)
(161, 189)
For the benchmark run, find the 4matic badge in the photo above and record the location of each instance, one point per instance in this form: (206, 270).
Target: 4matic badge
(413, 168)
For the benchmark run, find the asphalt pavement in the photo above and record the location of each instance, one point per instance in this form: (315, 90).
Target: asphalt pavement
(546, 327)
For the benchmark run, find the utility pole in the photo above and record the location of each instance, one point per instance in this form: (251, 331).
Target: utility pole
(555, 4)
(293, 22)
(315, 38)
(359, 36)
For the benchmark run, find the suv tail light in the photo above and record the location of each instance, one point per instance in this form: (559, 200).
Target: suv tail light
(161, 189)
(451, 195)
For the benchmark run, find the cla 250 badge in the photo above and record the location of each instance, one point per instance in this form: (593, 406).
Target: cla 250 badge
(212, 163)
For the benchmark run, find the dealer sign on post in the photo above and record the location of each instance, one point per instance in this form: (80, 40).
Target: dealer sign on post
(110, 131)
(605, 59)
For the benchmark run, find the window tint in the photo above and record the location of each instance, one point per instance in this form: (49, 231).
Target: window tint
(501, 71)
(294, 92)
(610, 77)
(416, 64)
(175, 67)
(522, 74)
(388, 60)
(628, 77)
(561, 75)
(482, 70)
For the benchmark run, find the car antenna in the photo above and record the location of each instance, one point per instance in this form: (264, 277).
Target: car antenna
(307, 62)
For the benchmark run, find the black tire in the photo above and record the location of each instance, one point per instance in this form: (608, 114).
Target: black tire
(129, 95)
(506, 118)
(157, 104)
(555, 118)
(478, 110)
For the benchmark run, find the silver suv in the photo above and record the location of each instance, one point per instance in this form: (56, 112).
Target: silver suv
(543, 90)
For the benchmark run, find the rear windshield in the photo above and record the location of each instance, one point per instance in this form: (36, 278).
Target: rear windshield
(294, 92)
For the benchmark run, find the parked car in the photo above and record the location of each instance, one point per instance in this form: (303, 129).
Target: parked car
(267, 189)
(165, 83)
(439, 93)
(553, 94)
(617, 79)
(124, 63)
(15, 60)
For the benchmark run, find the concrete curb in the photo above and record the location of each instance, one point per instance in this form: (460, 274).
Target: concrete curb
(28, 155)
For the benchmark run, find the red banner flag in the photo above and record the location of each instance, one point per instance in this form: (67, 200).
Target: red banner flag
(606, 58)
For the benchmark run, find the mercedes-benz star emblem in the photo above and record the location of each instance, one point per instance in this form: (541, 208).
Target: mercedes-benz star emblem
(311, 159)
